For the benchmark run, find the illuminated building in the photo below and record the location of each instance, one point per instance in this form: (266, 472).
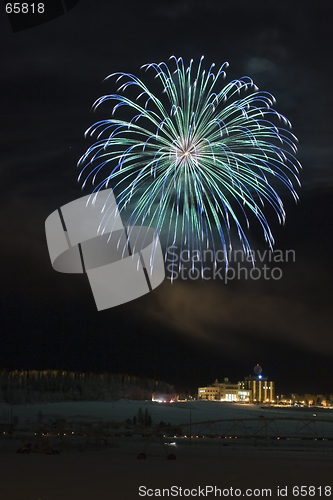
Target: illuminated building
(262, 389)
(210, 393)
(224, 391)
(257, 389)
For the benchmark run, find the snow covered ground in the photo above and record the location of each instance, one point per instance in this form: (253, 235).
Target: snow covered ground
(112, 474)
(175, 413)
(111, 471)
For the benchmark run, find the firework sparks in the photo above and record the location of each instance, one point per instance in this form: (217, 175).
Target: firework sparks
(195, 161)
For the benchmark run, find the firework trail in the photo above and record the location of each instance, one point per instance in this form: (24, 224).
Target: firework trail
(195, 161)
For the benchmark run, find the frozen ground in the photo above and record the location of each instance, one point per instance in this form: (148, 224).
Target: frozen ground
(175, 413)
(111, 471)
(116, 474)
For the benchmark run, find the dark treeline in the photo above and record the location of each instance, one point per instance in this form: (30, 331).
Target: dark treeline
(56, 385)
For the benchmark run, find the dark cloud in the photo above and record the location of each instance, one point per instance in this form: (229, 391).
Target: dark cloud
(228, 318)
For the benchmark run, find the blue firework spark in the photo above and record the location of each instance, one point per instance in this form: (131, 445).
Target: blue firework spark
(187, 160)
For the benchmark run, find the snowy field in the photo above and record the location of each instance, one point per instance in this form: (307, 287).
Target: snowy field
(116, 474)
(200, 419)
(88, 468)
(175, 413)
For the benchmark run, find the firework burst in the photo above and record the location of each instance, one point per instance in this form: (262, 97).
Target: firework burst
(194, 162)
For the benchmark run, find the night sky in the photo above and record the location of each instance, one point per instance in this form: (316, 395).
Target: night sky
(187, 333)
